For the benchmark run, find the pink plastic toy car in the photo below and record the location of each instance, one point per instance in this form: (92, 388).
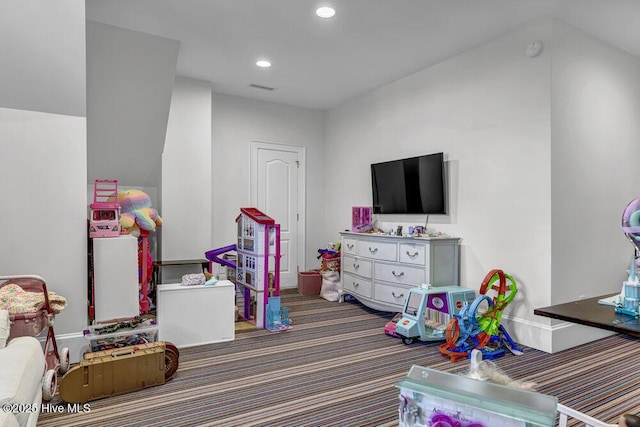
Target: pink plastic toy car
(390, 327)
(105, 209)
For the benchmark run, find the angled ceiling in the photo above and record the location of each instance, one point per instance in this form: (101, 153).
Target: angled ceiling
(369, 43)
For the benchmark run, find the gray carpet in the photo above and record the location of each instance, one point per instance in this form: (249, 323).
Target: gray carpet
(336, 367)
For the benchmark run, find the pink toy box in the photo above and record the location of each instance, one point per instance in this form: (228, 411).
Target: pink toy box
(105, 209)
(361, 218)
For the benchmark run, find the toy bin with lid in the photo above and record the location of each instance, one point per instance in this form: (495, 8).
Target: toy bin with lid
(141, 334)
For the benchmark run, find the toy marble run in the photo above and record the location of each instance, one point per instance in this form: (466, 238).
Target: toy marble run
(470, 329)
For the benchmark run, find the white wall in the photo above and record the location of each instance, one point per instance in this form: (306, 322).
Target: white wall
(43, 219)
(43, 222)
(235, 123)
(129, 81)
(595, 152)
(488, 110)
(42, 66)
(187, 172)
(540, 154)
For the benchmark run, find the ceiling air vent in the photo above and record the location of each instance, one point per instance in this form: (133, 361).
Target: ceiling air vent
(253, 85)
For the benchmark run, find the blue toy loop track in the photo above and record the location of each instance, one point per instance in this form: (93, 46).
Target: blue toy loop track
(469, 330)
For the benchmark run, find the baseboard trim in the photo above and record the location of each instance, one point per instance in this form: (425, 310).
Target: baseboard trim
(75, 342)
(551, 338)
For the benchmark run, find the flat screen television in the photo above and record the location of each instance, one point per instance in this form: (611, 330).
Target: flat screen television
(413, 185)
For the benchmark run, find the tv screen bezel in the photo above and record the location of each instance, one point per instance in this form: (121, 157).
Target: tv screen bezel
(442, 185)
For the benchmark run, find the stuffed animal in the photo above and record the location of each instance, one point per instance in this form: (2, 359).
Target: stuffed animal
(136, 212)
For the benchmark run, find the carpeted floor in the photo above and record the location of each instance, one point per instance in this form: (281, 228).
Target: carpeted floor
(336, 367)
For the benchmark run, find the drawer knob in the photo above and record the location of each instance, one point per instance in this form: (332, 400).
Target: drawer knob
(373, 251)
(355, 284)
(397, 296)
(397, 275)
(349, 245)
(413, 255)
(356, 266)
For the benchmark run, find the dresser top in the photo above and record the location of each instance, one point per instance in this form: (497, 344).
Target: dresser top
(397, 238)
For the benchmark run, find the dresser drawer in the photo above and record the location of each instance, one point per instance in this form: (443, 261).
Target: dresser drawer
(390, 294)
(356, 285)
(413, 253)
(396, 273)
(349, 246)
(378, 250)
(357, 266)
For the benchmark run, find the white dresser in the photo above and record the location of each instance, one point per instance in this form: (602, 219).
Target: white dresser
(379, 270)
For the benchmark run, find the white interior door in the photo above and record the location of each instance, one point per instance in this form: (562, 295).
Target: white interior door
(277, 189)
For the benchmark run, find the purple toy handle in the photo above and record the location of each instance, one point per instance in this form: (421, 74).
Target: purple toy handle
(213, 255)
(441, 420)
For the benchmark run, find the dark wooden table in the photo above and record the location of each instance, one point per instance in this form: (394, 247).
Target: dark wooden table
(588, 312)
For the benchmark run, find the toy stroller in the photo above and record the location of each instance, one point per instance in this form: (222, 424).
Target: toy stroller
(30, 311)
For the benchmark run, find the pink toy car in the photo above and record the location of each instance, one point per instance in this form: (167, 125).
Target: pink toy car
(390, 327)
(105, 209)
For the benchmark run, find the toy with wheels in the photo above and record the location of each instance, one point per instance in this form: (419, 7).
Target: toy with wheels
(23, 293)
(113, 372)
(472, 329)
(171, 356)
(390, 326)
(427, 311)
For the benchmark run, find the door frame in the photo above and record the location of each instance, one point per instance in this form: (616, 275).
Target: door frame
(302, 189)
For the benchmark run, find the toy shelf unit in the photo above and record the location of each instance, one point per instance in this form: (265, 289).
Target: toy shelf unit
(105, 209)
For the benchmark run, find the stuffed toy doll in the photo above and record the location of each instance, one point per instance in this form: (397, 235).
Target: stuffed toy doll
(136, 212)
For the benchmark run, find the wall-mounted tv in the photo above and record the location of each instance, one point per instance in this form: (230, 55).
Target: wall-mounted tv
(413, 185)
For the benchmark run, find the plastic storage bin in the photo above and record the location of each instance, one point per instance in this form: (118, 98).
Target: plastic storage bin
(309, 282)
(141, 334)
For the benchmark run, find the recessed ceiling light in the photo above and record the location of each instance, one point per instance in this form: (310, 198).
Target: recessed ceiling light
(326, 12)
(263, 64)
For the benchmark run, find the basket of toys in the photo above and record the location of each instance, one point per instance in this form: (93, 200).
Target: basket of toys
(330, 258)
